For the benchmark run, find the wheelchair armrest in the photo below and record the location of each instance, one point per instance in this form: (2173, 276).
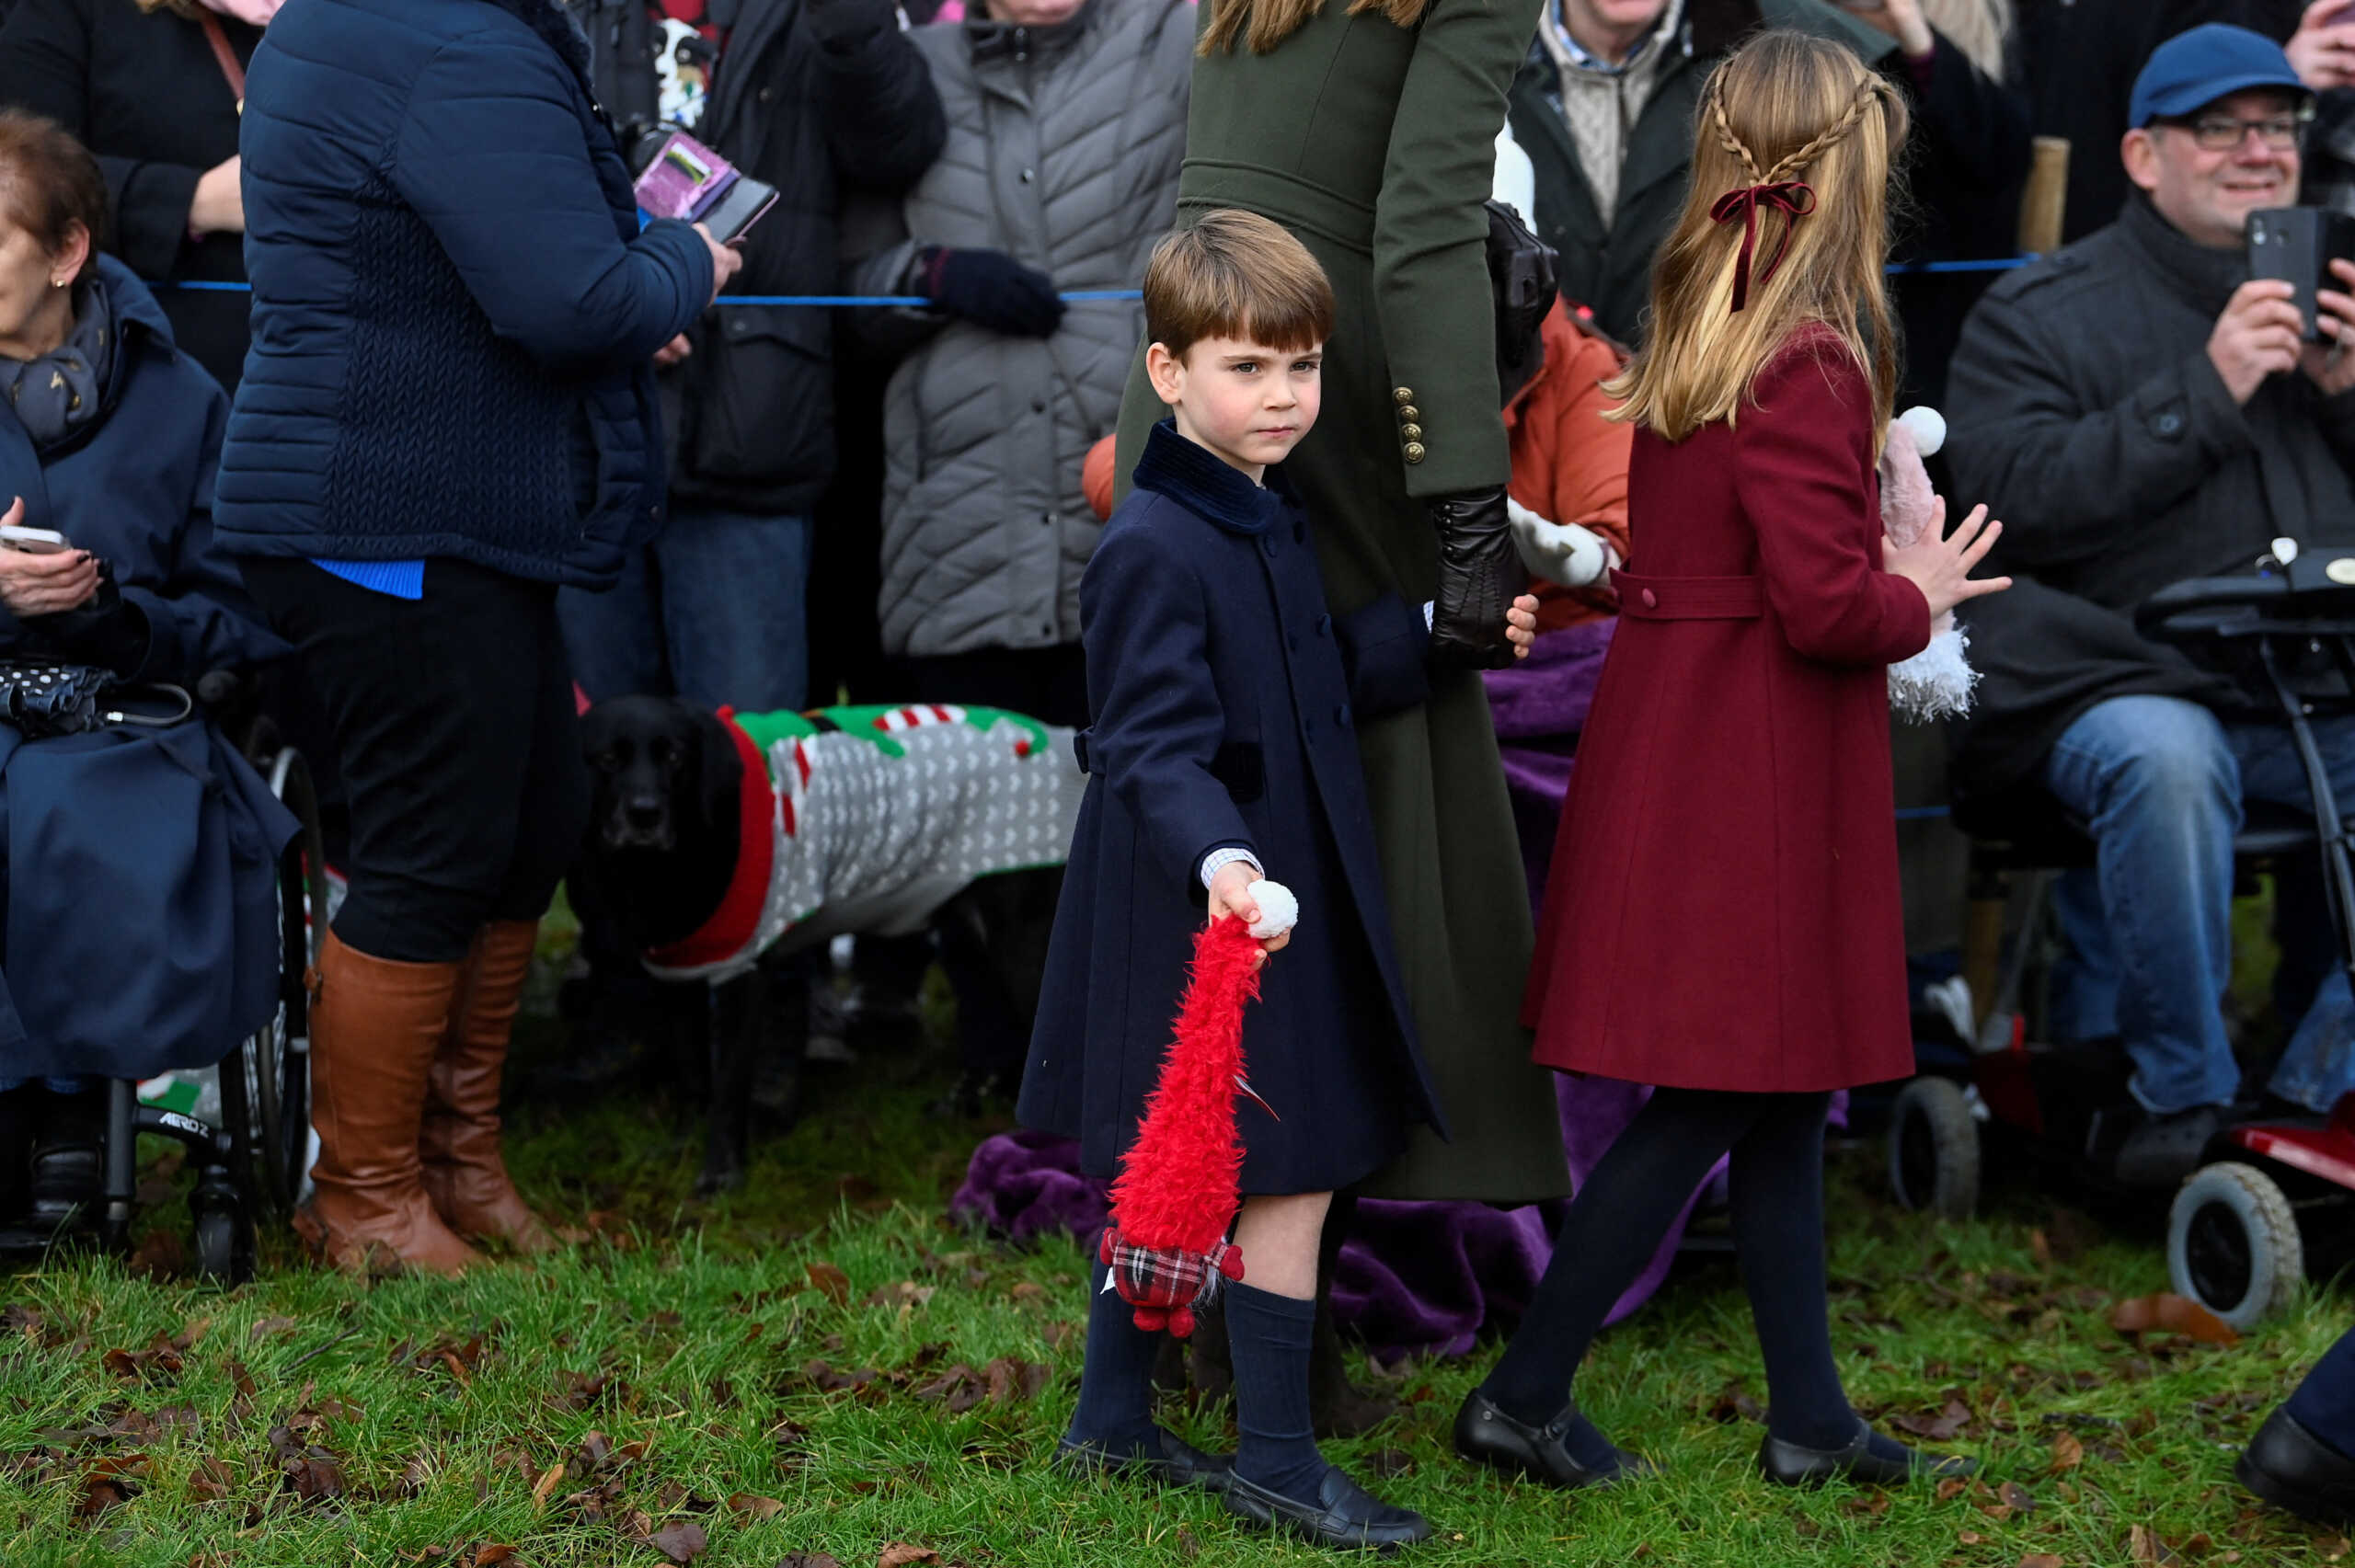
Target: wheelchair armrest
(2198, 607)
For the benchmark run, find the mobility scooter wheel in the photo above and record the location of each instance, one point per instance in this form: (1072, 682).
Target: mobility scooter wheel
(1934, 1150)
(2232, 1244)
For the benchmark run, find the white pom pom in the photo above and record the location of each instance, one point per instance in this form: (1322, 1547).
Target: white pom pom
(1278, 910)
(1927, 427)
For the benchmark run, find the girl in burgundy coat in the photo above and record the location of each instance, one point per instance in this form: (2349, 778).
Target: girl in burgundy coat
(1722, 917)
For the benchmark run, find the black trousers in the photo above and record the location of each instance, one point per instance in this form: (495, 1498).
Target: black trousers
(1049, 684)
(454, 725)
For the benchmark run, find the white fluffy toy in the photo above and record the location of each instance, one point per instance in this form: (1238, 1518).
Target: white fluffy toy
(1937, 682)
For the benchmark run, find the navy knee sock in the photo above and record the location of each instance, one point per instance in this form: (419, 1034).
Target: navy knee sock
(1269, 1336)
(1115, 1379)
(2325, 1403)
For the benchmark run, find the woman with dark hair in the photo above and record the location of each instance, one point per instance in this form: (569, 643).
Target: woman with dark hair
(449, 412)
(1368, 130)
(152, 87)
(138, 926)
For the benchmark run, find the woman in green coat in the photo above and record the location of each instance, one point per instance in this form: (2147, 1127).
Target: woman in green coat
(1368, 130)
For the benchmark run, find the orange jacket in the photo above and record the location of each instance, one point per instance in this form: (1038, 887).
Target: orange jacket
(1570, 464)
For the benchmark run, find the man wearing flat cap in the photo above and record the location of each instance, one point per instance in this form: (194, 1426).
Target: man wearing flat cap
(2139, 410)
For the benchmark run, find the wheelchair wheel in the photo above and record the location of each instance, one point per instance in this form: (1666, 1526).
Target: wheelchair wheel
(265, 1082)
(2232, 1244)
(1934, 1150)
(225, 1246)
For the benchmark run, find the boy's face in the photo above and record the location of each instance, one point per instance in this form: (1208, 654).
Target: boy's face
(1248, 403)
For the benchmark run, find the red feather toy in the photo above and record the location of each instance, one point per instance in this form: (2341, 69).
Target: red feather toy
(1177, 1192)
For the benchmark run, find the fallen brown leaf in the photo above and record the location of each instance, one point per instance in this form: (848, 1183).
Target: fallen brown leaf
(2168, 1314)
(2067, 1452)
(2040, 1559)
(680, 1540)
(830, 1281)
(2016, 1496)
(901, 1554)
(808, 1560)
(210, 1483)
(753, 1507)
(546, 1484)
(2144, 1545)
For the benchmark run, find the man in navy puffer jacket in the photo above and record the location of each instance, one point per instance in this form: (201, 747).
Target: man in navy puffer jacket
(448, 411)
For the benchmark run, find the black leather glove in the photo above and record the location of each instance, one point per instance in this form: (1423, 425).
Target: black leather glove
(990, 289)
(1479, 572)
(109, 630)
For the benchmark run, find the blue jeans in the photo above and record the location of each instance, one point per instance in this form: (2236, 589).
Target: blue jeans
(712, 612)
(2160, 781)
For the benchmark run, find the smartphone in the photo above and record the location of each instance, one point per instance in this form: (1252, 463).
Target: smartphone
(34, 541)
(2298, 245)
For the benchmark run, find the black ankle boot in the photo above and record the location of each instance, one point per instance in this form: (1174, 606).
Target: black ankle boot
(69, 1156)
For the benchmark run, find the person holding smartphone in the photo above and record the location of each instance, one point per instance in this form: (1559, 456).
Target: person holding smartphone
(449, 412)
(108, 436)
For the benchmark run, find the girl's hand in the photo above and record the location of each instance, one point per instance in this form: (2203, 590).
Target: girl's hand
(1940, 564)
(1520, 624)
(1231, 899)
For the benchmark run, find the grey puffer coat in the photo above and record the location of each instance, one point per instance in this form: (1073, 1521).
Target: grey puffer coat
(1063, 146)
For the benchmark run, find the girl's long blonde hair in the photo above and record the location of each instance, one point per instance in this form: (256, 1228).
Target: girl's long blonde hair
(1263, 24)
(1784, 106)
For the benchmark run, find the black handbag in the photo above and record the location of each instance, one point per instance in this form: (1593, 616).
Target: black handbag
(1524, 271)
(40, 698)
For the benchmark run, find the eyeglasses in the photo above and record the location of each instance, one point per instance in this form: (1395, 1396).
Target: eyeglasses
(2224, 133)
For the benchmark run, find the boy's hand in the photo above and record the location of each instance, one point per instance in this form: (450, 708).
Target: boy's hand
(1230, 898)
(1520, 624)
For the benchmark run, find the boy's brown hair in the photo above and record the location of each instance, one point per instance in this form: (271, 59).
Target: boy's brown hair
(1235, 274)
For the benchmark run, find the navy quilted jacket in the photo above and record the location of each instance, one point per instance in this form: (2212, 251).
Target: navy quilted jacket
(454, 308)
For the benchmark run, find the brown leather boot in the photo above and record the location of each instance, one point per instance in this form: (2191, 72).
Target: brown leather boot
(374, 1025)
(459, 1138)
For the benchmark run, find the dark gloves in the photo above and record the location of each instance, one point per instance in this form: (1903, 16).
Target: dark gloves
(991, 290)
(842, 27)
(108, 631)
(1479, 572)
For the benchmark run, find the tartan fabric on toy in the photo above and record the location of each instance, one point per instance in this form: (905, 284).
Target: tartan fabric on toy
(1177, 1191)
(1164, 1286)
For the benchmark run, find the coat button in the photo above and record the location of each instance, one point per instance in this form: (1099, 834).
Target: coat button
(1342, 716)
(1404, 395)
(1409, 411)
(1323, 625)
(2169, 422)
(1414, 452)
(1410, 432)
(1028, 175)
(1650, 600)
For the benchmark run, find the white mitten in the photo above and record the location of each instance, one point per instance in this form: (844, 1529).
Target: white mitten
(1558, 552)
(1935, 682)
(1278, 910)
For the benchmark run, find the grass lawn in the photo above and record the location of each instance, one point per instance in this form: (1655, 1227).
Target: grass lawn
(824, 1367)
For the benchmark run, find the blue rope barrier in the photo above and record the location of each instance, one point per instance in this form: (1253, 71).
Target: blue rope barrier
(1073, 296)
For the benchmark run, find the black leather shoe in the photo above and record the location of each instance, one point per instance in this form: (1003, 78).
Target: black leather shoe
(1179, 1463)
(1789, 1464)
(2162, 1150)
(2293, 1469)
(1487, 1436)
(1343, 1515)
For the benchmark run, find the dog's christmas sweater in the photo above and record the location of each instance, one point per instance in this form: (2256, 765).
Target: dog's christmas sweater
(868, 819)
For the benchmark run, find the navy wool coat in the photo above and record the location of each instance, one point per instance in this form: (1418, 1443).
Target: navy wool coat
(138, 914)
(1222, 718)
(455, 311)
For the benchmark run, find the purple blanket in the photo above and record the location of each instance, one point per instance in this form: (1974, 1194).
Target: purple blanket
(1414, 1276)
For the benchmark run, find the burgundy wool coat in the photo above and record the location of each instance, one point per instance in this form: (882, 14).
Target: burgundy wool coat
(1723, 909)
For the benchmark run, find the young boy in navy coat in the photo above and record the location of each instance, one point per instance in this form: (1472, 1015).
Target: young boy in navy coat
(1222, 750)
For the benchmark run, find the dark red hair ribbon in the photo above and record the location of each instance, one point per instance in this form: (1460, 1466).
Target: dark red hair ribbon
(1794, 198)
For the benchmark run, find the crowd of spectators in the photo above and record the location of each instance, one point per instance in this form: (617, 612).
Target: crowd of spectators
(892, 502)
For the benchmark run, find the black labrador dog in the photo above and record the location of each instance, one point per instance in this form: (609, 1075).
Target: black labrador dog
(660, 851)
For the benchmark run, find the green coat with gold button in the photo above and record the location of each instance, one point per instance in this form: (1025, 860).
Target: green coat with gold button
(1375, 145)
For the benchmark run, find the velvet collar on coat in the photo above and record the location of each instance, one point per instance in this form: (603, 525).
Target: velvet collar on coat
(1206, 485)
